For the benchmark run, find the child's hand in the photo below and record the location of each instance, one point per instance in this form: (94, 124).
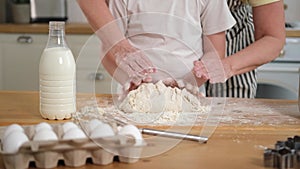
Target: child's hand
(210, 67)
(200, 71)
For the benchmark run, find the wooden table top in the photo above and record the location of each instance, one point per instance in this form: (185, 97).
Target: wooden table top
(75, 28)
(43, 28)
(247, 127)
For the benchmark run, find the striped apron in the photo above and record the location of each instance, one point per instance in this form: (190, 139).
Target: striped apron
(237, 38)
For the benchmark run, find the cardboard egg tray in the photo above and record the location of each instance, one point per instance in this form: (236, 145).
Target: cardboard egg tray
(74, 153)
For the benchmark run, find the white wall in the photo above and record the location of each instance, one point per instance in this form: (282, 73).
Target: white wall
(292, 13)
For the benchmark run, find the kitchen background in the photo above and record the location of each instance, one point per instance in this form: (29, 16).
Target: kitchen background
(20, 49)
(73, 11)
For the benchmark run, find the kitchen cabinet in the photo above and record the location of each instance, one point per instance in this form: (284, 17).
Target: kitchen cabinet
(279, 79)
(19, 61)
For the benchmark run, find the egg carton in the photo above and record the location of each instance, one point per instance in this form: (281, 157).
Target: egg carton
(74, 152)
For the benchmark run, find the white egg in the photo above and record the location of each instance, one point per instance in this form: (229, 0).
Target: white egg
(45, 134)
(68, 125)
(102, 130)
(12, 128)
(74, 133)
(42, 126)
(13, 141)
(93, 124)
(119, 128)
(132, 131)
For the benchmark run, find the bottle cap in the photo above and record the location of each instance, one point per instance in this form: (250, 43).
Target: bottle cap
(56, 25)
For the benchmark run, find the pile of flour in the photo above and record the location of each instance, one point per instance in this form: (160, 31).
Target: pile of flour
(155, 98)
(152, 104)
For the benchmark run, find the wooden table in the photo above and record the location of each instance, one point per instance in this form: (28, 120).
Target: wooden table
(43, 28)
(74, 28)
(247, 127)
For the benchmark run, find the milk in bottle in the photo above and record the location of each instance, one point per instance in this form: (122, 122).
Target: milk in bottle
(57, 71)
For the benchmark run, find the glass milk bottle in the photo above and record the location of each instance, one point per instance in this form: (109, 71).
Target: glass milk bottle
(57, 71)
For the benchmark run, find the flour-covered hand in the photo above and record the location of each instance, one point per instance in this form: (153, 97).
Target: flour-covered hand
(189, 82)
(134, 63)
(211, 67)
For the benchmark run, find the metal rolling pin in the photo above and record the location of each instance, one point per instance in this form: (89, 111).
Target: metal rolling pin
(176, 135)
(169, 134)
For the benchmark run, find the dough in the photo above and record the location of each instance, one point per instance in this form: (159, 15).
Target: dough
(155, 98)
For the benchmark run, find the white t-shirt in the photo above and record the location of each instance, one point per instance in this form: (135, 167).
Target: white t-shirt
(170, 31)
